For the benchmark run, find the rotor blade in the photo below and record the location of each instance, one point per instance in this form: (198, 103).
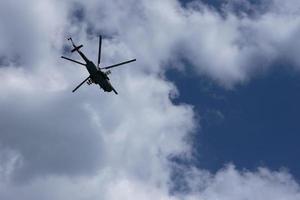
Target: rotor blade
(114, 90)
(73, 60)
(122, 63)
(81, 84)
(99, 51)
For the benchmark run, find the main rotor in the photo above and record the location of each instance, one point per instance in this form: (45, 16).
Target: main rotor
(76, 48)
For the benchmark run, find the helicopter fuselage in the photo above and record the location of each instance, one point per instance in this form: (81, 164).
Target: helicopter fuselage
(96, 75)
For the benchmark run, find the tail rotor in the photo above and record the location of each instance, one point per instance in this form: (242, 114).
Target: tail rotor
(76, 48)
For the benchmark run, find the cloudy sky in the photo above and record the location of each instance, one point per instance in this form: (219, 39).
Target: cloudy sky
(209, 111)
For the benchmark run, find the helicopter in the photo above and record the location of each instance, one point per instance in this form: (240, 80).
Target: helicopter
(97, 74)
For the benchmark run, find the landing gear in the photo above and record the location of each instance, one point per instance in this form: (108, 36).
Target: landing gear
(90, 81)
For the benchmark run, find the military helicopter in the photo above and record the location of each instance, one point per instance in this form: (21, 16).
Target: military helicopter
(97, 75)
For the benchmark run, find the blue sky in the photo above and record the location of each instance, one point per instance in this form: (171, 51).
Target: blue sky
(254, 124)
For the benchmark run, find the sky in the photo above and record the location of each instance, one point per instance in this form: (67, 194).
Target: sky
(209, 110)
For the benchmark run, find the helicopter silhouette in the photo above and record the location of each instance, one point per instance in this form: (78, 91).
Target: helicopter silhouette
(97, 74)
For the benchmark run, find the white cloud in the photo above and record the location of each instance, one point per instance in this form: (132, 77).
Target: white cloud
(227, 48)
(231, 184)
(91, 145)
